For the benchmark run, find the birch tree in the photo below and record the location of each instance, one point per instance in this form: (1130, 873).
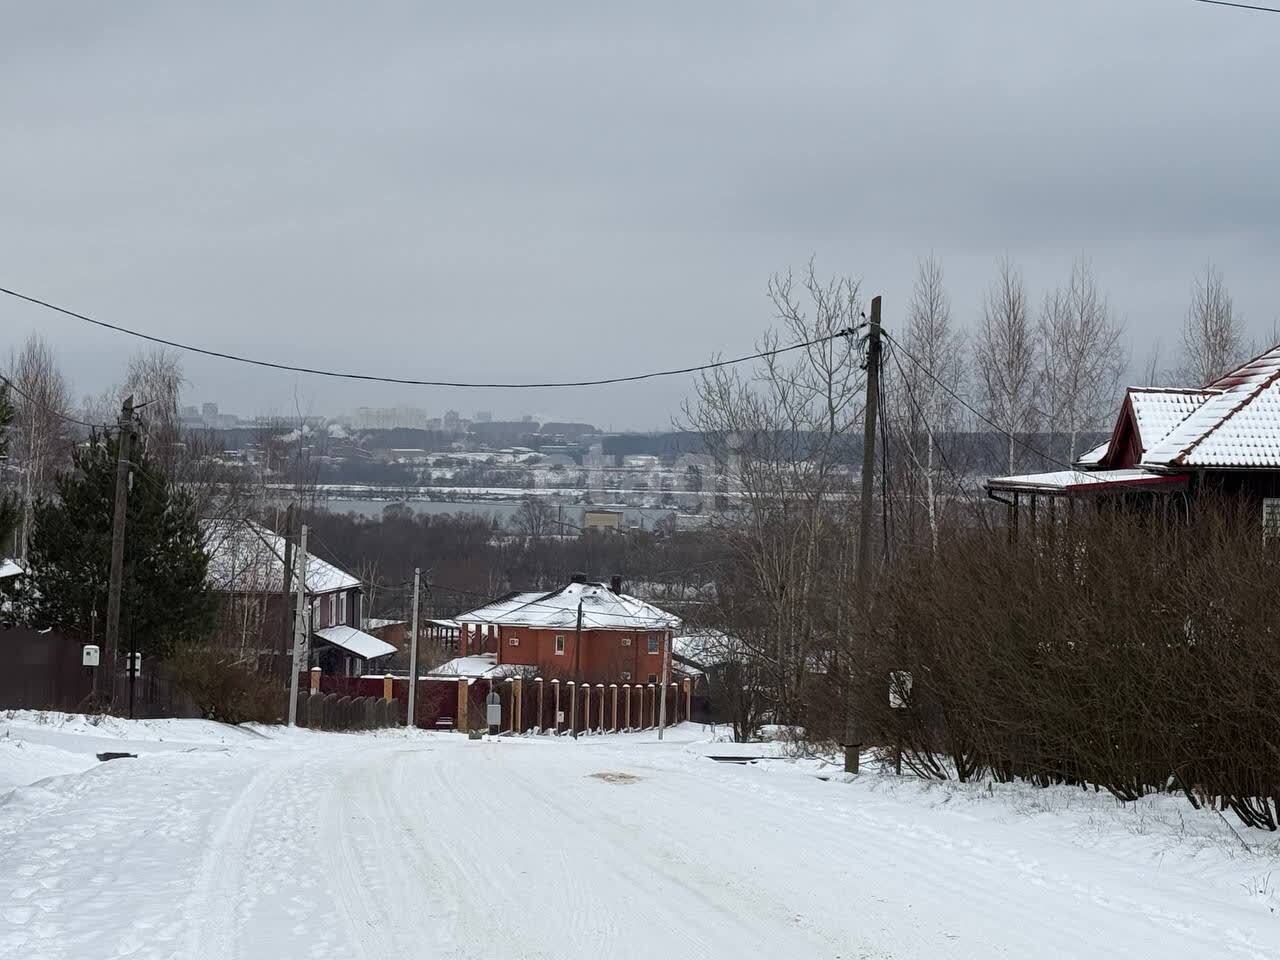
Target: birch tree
(41, 444)
(785, 433)
(1005, 359)
(1081, 358)
(1212, 339)
(932, 375)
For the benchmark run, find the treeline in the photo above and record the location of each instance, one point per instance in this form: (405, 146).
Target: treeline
(468, 558)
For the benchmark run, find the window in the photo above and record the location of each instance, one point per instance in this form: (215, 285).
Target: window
(653, 678)
(626, 641)
(559, 645)
(342, 608)
(513, 642)
(653, 643)
(333, 609)
(626, 675)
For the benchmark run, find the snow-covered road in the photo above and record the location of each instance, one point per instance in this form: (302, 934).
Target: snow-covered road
(430, 845)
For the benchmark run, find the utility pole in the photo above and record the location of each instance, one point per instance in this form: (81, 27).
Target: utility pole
(666, 679)
(413, 647)
(106, 676)
(299, 625)
(869, 452)
(577, 667)
(287, 626)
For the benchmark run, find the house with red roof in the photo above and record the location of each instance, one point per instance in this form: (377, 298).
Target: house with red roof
(1223, 437)
(585, 631)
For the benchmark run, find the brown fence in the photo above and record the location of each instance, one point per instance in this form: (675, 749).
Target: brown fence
(41, 670)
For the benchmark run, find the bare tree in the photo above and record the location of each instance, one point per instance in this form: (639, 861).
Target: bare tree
(1081, 359)
(784, 435)
(154, 380)
(1005, 357)
(1212, 340)
(535, 520)
(41, 444)
(932, 375)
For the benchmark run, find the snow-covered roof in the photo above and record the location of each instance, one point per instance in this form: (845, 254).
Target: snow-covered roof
(1236, 427)
(246, 557)
(1091, 458)
(374, 623)
(1157, 411)
(602, 609)
(480, 666)
(356, 641)
(10, 568)
(1082, 481)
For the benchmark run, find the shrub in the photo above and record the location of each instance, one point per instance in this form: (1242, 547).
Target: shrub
(226, 689)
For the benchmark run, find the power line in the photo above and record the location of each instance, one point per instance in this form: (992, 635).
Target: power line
(420, 383)
(48, 409)
(1240, 6)
(972, 409)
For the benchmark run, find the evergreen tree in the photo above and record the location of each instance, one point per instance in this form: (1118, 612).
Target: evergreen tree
(8, 499)
(165, 598)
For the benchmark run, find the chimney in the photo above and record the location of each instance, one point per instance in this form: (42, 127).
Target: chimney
(578, 578)
(615, 583)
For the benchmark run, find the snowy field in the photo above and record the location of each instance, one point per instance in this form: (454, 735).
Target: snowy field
(220, 842)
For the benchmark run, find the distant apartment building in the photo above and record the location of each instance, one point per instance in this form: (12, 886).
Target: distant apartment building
(389, 418)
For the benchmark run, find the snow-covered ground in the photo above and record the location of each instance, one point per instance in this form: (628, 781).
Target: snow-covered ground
(221, 842)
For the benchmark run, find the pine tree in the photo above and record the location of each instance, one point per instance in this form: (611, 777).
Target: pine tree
(8, 499)
(165, 598)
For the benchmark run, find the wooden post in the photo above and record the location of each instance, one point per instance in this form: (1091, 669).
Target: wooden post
(517, 705)
(464, 705)
(653, 704)
(688, 699)
(105, 677)
(315, 679)
(869, 452)
(626, 714)
(542, 715)
(387, 681)
(586, 708)
(555, 686)
(600, 693)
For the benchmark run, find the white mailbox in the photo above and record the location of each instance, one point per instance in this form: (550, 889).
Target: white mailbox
(89, 655)
(493, 710)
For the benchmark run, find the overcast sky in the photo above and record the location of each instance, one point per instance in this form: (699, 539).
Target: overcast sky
(507, 191)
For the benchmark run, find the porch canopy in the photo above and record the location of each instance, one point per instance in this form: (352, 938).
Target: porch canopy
(356, 642)
(1077, 483)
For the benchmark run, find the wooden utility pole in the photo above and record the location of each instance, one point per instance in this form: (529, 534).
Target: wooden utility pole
(577, 668)
(286, 593)
(869, 452)
(106, 675)
(413, 647)
(666, 679)
(299, 626)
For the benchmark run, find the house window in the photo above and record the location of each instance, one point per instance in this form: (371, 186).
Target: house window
(653, 643)
(333, 610)
(653, 678)
(626, 675)
(342, 608)
(626, 641)
(559, 645)
(513, 642)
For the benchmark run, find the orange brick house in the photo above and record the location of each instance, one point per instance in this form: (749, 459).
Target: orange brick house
(588, 631)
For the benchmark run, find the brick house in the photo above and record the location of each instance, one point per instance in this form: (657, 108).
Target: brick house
(621, 639)
(246, 569)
